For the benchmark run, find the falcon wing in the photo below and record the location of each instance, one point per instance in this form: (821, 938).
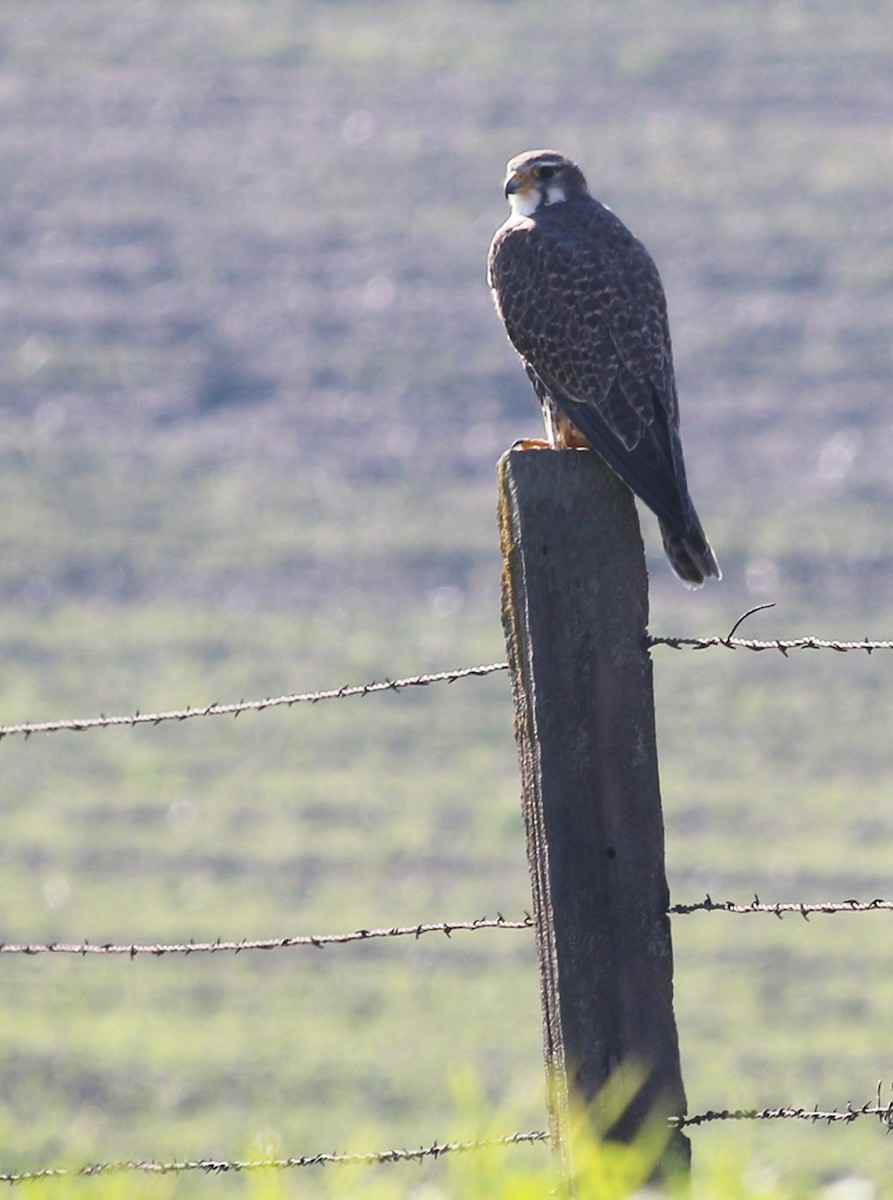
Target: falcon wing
(583, 305)
(653, 468)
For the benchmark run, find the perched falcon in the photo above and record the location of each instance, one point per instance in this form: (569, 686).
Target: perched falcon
(584, 307)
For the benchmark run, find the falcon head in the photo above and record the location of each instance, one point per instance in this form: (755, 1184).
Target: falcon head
(539, 177)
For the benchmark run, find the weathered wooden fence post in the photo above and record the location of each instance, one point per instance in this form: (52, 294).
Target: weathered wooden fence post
(575, 612)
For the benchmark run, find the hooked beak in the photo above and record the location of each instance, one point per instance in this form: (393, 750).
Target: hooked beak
(512, 185)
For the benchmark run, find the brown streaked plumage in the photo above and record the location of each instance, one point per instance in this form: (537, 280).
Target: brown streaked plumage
(584, 306)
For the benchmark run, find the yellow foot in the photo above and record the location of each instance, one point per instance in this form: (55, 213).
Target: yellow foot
(530, 444)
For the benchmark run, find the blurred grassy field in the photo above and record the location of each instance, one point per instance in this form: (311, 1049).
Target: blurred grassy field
(252, 396)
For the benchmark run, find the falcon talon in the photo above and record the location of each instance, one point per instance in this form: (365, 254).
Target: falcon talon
(583, 305)
(530, 444)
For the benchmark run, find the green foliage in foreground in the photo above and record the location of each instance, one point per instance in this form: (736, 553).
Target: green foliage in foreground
(603, 1170)
(489, 1168)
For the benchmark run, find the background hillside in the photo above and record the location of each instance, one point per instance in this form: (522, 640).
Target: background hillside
(252, 392)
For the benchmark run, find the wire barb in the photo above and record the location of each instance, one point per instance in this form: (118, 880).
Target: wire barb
(131, 950)
(750, 612)
(213, 1166)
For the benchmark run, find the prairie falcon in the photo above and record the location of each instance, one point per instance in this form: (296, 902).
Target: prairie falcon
(584, 306)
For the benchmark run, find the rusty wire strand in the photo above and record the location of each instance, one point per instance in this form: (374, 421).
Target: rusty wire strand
(708, 904)
(213, 1166)
(319, 940)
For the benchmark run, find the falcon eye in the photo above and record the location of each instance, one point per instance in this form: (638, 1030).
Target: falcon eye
(543, 172)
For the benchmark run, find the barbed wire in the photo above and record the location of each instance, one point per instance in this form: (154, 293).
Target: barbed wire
(757, 644)
(215, 1166)
(884, 1114)
(79, 724)
(320, 940)
(781, 644)
(708, 904)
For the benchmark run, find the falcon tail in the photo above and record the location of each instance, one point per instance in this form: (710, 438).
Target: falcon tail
(690, 556)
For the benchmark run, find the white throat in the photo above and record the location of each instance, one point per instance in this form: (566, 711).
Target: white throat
(525, 204)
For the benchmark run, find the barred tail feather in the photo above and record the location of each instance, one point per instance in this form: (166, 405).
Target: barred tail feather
(690, 556)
